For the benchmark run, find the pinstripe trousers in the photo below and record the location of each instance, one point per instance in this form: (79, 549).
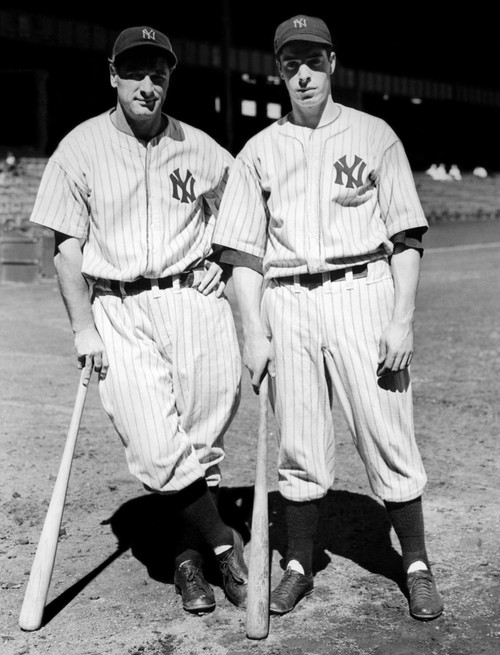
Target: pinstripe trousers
(325, 341)
(173, 384)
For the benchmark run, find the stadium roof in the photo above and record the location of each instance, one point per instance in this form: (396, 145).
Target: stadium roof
(419, 40)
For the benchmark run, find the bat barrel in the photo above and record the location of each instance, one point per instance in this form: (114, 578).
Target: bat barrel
(35, 597)
(257, 618)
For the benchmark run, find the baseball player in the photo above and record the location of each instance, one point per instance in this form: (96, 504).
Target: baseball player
(132, 196)
(322, 205)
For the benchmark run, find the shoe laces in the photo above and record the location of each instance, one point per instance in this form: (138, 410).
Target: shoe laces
(229, 567)
(422, 587)
(282, 591)
(194, 578)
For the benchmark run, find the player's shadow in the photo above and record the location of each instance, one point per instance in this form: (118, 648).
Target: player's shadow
(150, 527)
(352, 525)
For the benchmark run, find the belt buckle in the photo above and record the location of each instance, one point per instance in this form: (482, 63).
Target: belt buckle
(154, 287)
(188, 280)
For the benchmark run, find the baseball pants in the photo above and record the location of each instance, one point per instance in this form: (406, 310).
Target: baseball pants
(326, 346)
(173, 384)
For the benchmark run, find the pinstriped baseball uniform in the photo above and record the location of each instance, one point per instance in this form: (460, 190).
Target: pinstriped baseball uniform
(148, 210)
(312, 201)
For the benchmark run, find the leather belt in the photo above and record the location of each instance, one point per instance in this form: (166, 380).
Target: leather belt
(144, 283)
(318, 278)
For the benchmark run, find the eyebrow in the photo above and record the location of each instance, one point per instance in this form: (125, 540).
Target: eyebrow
(155, 70)
(306, 52)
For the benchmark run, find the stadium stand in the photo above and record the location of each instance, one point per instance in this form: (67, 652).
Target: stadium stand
(468, 199)
(25, 250)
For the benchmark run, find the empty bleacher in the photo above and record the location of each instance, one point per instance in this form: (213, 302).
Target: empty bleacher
(25, 250)
(469, 199)
(18, 191)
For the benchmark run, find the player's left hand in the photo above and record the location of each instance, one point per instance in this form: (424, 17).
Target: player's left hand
(395, 348)
(213, 280)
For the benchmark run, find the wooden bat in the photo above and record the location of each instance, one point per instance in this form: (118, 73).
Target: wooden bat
(257, 615)
(43, 563)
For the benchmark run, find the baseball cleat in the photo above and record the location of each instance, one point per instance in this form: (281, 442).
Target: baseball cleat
(425, 601)
(197, 595)
(291, 589)
(234, 572)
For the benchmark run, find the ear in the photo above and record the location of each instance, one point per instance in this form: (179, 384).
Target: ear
(112, 75)
(278, 66)
(333, 61)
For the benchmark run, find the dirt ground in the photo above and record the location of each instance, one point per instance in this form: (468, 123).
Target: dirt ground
(111, 590)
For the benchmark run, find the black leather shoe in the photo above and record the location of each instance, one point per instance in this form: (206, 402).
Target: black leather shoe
(234, 572)
(291, 589)
(425, 601)
(197, 595)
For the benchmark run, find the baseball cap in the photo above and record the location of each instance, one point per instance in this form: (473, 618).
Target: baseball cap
(301, 28)
(133, 37)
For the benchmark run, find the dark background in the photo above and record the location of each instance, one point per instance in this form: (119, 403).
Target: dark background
(431, 41)
(442, 41)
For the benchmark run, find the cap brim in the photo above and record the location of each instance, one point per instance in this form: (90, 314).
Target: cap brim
(168, 54)
(312, 38)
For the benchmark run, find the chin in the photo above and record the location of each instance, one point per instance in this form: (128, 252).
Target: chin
(308, 102)
(146, 113)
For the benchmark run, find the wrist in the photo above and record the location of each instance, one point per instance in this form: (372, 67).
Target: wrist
(403, 316)
(83, 327)
(254, 332)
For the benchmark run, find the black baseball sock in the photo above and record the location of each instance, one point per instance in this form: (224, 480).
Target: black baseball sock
(408, 521)
(302, 522)
(191, 545)
(197, 507)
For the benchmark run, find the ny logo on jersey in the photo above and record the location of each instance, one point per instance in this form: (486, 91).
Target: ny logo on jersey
(349, 171)
(186, 186)
(299, 22)
(149, 34)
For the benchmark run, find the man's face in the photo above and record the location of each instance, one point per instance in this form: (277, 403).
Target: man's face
(306, 68)
(141, 80)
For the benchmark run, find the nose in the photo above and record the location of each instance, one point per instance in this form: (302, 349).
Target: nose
(147, 86)
(304, 74)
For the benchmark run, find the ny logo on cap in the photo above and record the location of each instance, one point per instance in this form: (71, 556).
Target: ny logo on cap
(299, 22)
(149, 34)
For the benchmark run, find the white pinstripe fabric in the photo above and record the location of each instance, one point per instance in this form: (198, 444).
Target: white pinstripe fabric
(283, 201)
(148, 209)
(323, 338)
(169, 392)
(117, 192)
(315, 200)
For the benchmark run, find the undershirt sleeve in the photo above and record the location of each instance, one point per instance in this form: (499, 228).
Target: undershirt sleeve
(230, 256)
(411, 238)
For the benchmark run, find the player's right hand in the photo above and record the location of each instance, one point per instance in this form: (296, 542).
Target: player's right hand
(258, 357)
(91, 353)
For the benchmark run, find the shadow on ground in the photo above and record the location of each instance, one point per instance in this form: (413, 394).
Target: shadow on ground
(352, 525)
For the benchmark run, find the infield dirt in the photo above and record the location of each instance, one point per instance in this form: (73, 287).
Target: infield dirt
(112, 590)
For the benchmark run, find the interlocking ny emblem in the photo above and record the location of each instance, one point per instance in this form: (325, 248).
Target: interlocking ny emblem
(344, 169)
(299, 22)
(149, 34)
(186, 186)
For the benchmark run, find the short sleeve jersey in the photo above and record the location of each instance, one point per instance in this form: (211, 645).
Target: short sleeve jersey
(142, 208)
(311, 200)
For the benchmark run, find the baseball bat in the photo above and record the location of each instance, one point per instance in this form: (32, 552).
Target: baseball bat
(43, 563)
(257, 615)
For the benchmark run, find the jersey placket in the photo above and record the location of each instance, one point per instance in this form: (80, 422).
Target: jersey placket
(154, 239)
(313, 172)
